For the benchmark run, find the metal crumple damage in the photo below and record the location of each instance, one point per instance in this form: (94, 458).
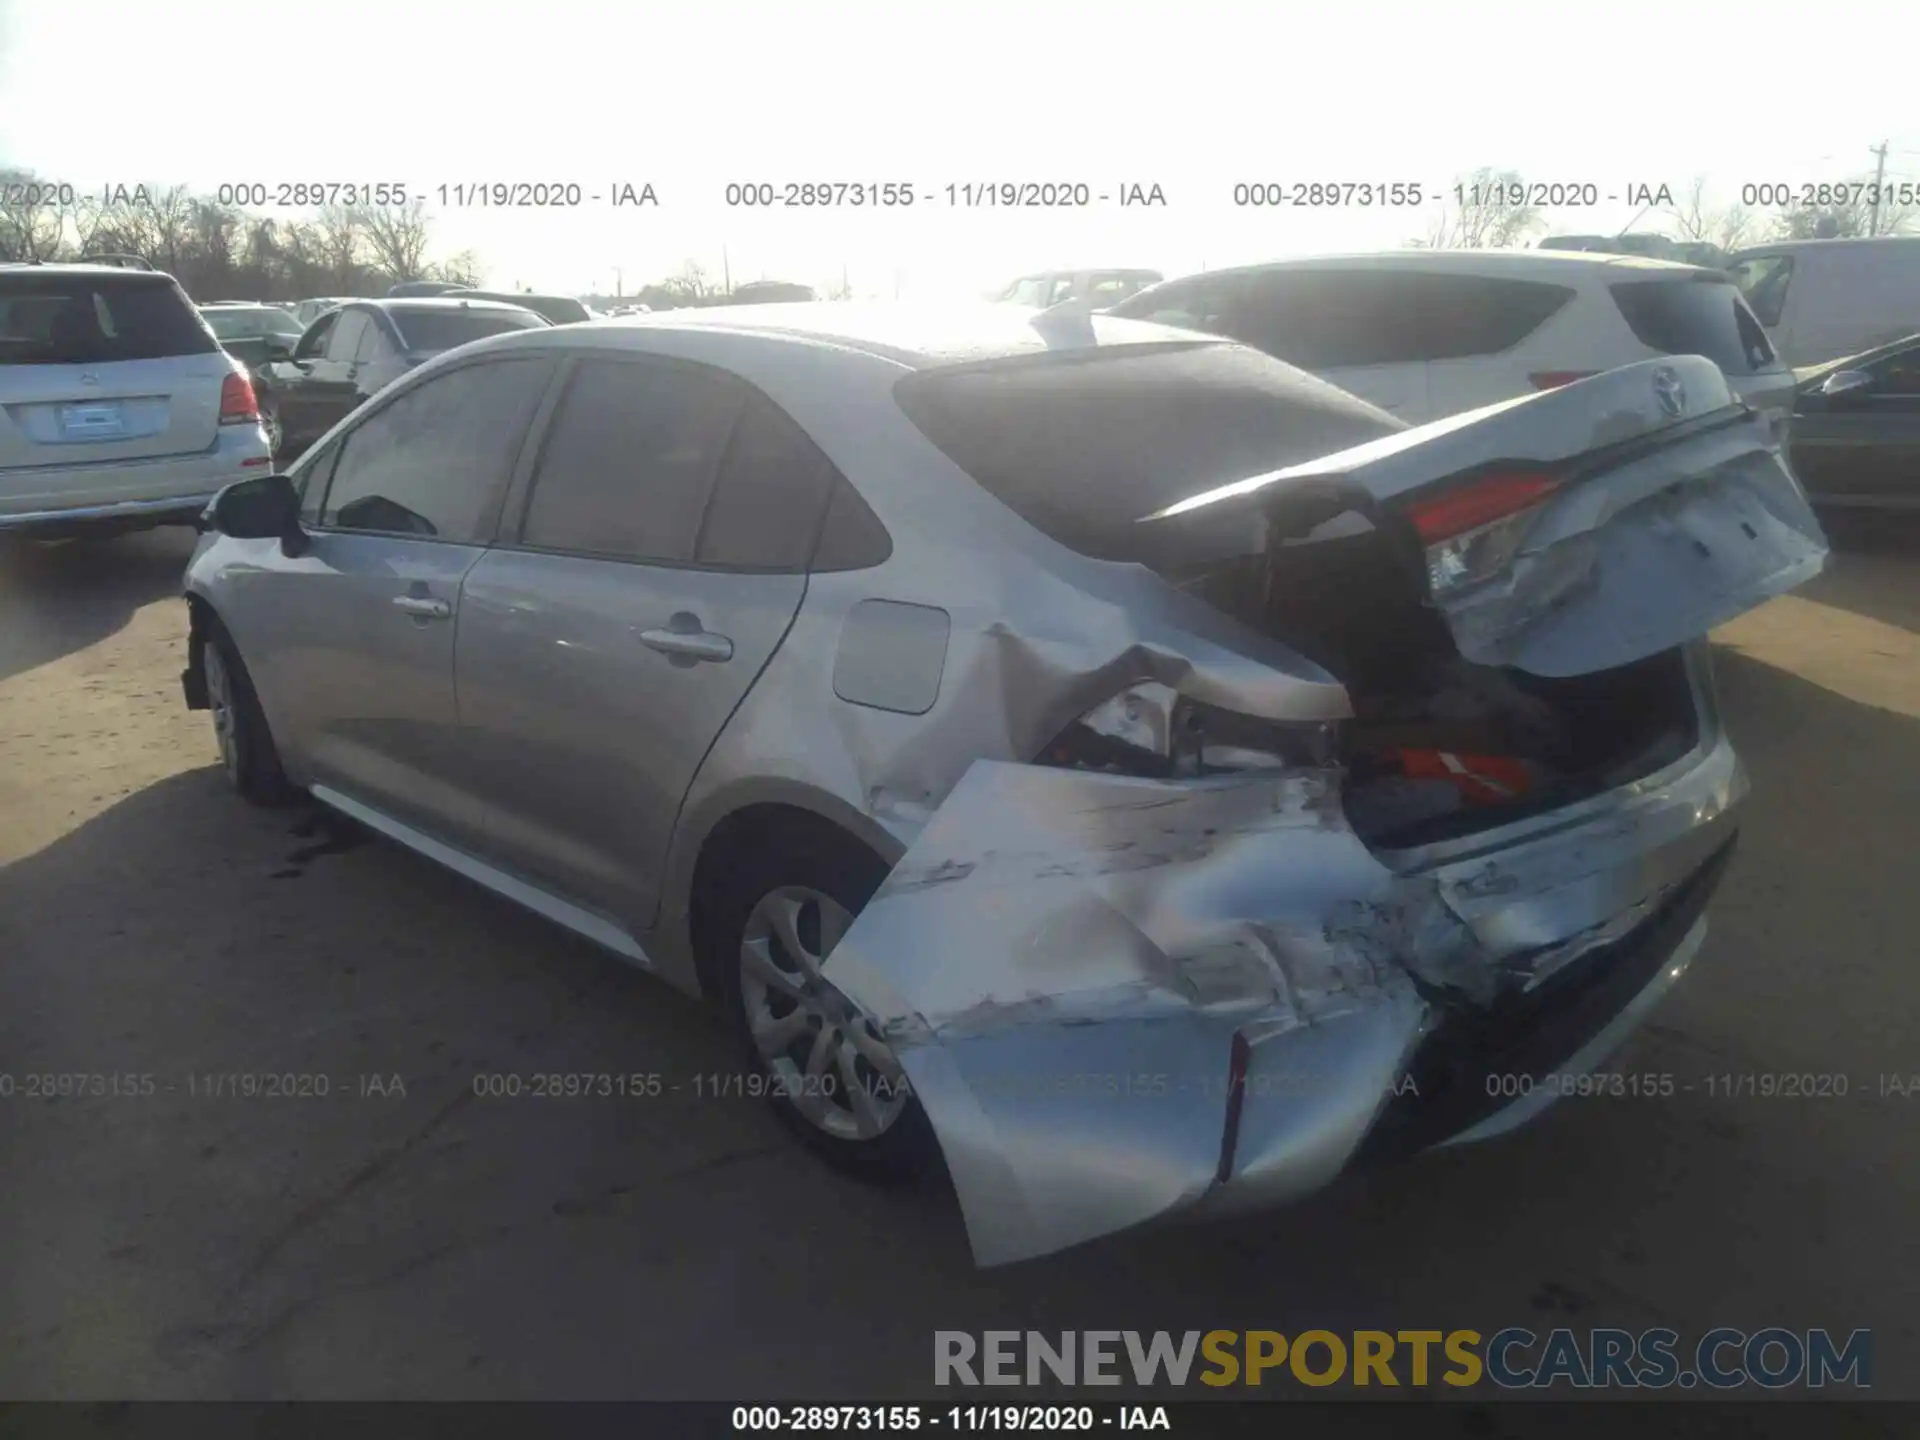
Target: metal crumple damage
(1063, 961)
(1646, 557)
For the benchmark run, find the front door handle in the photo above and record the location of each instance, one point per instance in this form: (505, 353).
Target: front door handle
(423, 605)
(688, 644)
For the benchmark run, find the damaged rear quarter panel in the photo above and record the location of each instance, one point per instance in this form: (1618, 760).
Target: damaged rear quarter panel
(1063, 959)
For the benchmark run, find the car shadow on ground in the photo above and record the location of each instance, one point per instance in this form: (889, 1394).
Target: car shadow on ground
(56, 598)
(440, 1243)
(1871, 573)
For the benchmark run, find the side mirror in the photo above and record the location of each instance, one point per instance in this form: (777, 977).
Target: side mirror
(279, 350)
(266, 507)
(1847, 382)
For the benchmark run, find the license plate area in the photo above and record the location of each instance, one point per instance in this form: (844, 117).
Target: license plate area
(93, 421)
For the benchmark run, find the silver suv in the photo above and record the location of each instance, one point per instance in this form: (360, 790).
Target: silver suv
(118, 408)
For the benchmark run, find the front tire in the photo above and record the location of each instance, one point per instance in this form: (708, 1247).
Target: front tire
(828, 1074)
(276, 429)
(248, 755)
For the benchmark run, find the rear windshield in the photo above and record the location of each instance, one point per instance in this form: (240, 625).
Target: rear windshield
(444, 329)
(96, 320)
(1083, 444)
(556, 308)
(1704, 316)
(238, 324)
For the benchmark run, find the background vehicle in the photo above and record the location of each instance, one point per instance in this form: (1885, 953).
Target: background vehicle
(253, 334)
(1428, 333)
(308, 311)
(770, 292)
(554, 309)
(710, 590)
(359, 349)
(1823, 299)
(408, 288)
(1856, 429)
(1099, 288)
(117, 407)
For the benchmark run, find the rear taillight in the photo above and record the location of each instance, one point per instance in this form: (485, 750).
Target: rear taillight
(1554, 379)
(237, 405)
(1480, 502)
(1472, 530)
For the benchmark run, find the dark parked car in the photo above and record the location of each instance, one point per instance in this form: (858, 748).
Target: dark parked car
(254, 335)
(1856, 429)
(352, 353)
(554, 309)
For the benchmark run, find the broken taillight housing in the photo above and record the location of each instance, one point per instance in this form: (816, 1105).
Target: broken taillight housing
(1151, 730)
(1471, 531)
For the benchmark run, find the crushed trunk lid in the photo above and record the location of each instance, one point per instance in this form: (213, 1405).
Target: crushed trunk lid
(1563, 533)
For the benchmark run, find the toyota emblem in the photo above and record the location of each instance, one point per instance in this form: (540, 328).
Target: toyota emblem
(1668, 390)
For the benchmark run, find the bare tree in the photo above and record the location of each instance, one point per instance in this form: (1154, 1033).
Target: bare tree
(396, 238)
(690, 282)
(1698, 219)
(337, 235)
(463, 268)
(1486, 212)
(32, 223)
(1849, 215)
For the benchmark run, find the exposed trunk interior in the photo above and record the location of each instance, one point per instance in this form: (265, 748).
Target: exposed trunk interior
(1440, 747)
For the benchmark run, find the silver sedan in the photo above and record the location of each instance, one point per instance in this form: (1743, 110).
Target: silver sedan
(1096, 757)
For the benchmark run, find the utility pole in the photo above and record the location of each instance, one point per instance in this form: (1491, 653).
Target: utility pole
(726, 273)
(1879, 176)
(618, 282)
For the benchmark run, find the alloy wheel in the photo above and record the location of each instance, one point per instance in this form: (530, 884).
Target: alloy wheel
(826, 1058)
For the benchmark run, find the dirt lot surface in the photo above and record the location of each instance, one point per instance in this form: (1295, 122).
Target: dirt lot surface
(434, 1244)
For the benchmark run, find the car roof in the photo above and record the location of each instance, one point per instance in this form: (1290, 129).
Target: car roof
(153, 277)
(1565, 263)
(416, 304)
(1780, 247)
(920, 335)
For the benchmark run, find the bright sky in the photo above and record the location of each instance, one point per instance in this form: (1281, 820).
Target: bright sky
(1192, 96)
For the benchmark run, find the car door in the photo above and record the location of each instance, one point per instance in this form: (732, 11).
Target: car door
(289, 380)
(608, 638)
(379, 360)
(1862, 446)
(356, 660)
(331, 385)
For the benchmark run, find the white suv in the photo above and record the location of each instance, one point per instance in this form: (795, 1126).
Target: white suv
(118, 408)
(1430, 333)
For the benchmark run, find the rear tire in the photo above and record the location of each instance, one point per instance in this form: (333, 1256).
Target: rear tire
(248, 755)
(775, 917)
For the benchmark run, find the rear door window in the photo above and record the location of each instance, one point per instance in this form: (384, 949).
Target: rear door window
(1763, 282)
(55, 319)
(627, 465)
(434, 461)
(1335, 319)
(1701, 315)
(1458, 316)
(770, 495)
(435, 330)
(348, 331)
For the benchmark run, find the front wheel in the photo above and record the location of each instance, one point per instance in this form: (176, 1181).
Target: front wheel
(829, 1074)
(248, 755)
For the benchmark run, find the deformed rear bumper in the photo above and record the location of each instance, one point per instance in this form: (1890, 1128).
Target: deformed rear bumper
(1123, 1001)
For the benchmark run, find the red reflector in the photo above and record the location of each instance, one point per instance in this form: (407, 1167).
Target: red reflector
(1479, 502)
(1554, 379)
(237, 405)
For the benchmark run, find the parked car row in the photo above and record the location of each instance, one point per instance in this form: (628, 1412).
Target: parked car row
(958, 699)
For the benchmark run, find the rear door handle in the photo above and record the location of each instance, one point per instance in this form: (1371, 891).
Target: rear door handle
(424, 606)
(690, 644)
